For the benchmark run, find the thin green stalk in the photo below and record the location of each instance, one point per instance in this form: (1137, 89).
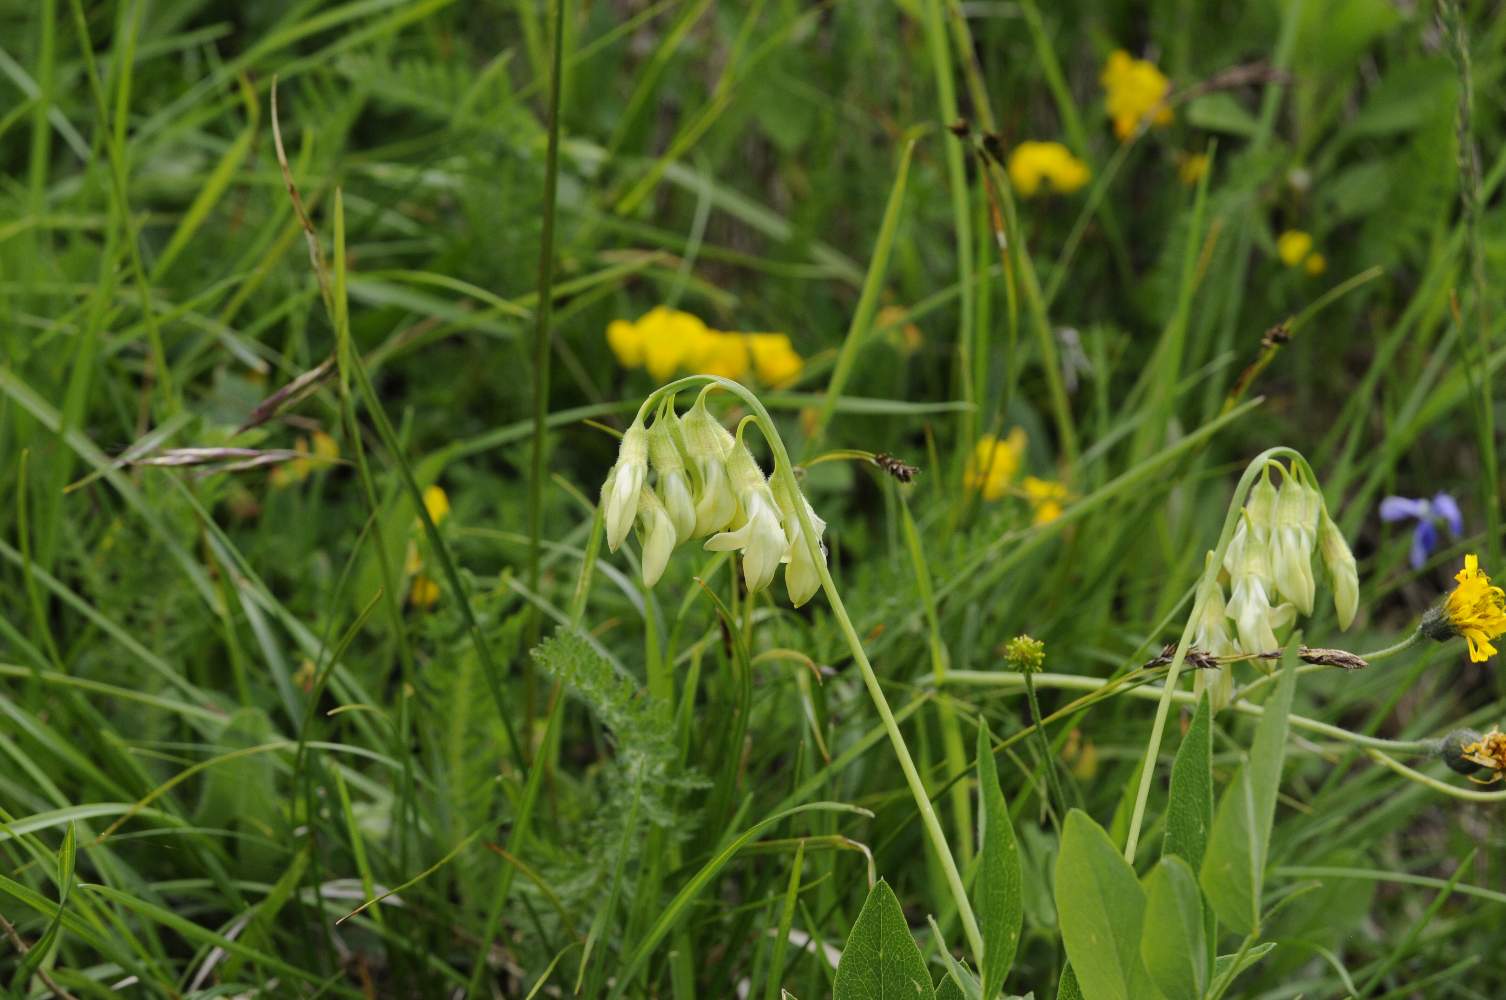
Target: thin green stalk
(541, 338)
(1048, 757)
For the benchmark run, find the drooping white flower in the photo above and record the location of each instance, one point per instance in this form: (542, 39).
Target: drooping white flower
(757, 532)
(1211, 632)
(1292, 543)
(708, 444)
(802, 576)
(659, 535)
(619, 495)
(672, 483)
(1260, 507)
(1343, 575)
(1255, 620)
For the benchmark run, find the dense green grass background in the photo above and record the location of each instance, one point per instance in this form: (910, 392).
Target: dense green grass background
(224, 727)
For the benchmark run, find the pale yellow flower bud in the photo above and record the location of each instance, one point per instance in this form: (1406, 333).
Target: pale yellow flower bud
(1343, 575)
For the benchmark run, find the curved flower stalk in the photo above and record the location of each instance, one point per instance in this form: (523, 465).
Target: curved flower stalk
(771, 523)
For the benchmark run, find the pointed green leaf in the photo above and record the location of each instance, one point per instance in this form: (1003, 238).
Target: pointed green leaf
(997, 890)
(881, 960)
(1173, 942)
(1189, 813)
(1255, 954)
(1101, 907)
(1234, 867)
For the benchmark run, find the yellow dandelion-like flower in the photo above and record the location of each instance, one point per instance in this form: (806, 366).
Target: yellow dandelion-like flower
(775, 359)
(1293, 247)
(993, 464)
(1134, 91)
(1049, 165)
(1046, 498)
(1476, 610)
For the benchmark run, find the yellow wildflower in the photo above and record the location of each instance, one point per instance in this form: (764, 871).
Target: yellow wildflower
(626, 341)
(1475, 610)
(1046, 498)
(1293, 247)
(1032, 164)
(1191, 167)
(775, 359)
(991, 467)
(1134, 91)
(671, 340)
(437, 503)
(1315, 264)
(724, 354)
(424, 593)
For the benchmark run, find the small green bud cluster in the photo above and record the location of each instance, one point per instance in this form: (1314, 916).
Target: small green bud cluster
(707, 482)
(1269, 566)
(1025, 654)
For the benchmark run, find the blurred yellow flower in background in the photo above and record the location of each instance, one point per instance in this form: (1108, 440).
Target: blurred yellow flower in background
(1046, 498)
(1032, 164)
(992, 466)
(895, 322)
(1191, 167)
(666, 341)
(322, 451)
(423, 592)
(1295, 248)
(1134, 90)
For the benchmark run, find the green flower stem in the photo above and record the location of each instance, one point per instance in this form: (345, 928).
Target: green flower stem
(1392, 650)
(786, 472)
(1210, 573)
(1467, 794)
(1048, 758)
(1076, 682)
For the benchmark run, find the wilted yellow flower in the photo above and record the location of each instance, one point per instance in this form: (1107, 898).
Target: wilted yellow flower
(1191, 167)
(1293, 247)
(424, 593)
(1032, 164)
(1046, 498)
(775, 359)
(1134, 90)
(1476, 610)
(991, 467)
(1488, 751)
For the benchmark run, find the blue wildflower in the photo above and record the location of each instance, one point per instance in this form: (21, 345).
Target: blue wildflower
(1428, 514)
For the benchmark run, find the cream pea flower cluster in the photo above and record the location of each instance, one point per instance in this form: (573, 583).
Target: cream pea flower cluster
(707, 483)
(1269, 566)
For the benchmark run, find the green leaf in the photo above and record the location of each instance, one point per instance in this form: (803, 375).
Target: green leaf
(997, 890)
(1101, 907)
(1255, 954)
(881, 960)
(947, 989)
(1067, 987)
(1220, 112)
(1234, 867)
(1173, 943)
(39, 951)
(1189, 814)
